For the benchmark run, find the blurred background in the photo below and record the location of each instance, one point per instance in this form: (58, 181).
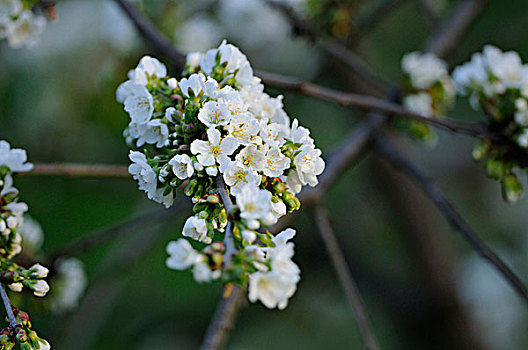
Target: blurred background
(422, 285)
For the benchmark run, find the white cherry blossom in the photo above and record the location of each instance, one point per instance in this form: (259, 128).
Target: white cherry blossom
(181, 255)
(14, 158)
(182, 166)
(196, 228)
(215, 150)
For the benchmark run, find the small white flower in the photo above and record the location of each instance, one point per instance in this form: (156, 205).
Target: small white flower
(142, 172)
(309, 164)
(181, 255)
(8, 9)
(253, 202)
(196, 228)
(43, 344)
(38, 271)
(25, 30)
(213, 114)
(193, 59)
(203, 273)
(299, 134)
(420, 103)
(236, 176)
(3, 225)
(69, 284)
(32, 234)
(522, 139)
(193, 85)
(16, 287)
(214, 151)
(139, 103)
(272, 288)
(182, 166)
(148, 67)
(244, 128)
(251, 158)
(249, 236)
(276, 162)
(12, 222)
(423, 69)
(14, 158)
(40, 288)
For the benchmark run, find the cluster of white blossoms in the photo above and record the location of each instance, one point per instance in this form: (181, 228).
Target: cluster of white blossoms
(429, 91)
(19, 24)
(14, 160)
(430, 88)
(217, 123)
(497, 83)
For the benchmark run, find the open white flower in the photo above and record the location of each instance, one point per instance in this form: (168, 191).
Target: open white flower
(142, 172)
(14, 158)
(182, 166)
(203, 273)
(40, 288)
(25, 30)
(196, 228)
(148, 67)
(245, 128)
(213, 114)
(236, 176)
(214, 151)
(423, 69)
(272, 288)
(193, 85)
(251, 158)
(309, 164)
(139, 103)
(8, 9)
(276, 162)
(253, 202)
(181, 255)
(38, 271)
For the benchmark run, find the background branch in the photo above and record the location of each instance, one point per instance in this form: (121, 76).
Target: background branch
(398, 161)
(345, 277)
(78, 170)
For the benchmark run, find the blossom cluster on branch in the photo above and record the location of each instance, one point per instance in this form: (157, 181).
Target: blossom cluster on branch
(16, 277)
(217, 130)
(429, 91)
(497, 84)
(20, 23)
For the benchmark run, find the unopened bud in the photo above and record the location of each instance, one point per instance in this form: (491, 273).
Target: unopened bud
(512, 190)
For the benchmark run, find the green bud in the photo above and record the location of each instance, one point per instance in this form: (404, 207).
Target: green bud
(265, 239)
(279, 187)
(512, 189)
(480, 150)
(199, 192)
(203, 214)
(495, 168)
(168, 190)
(21, 335)
(292, 203)
(213, 199)
(198, 207)
(190, 188)
(236, 233)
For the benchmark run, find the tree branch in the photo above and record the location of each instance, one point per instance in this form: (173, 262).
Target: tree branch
(345, 277)
(155, 39)
(7, 305)
(224, 319)
(398, 161)
(449, 34)
(78, 170)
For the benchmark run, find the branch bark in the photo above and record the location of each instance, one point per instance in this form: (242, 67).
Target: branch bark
(7, 305)
(455, 220)
(345, 277)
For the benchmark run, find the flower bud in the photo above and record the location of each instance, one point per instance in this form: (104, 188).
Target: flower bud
(190, 188)
(213, 198)
(512, 190)
(38, 271)
(21, 335)
(480, 150)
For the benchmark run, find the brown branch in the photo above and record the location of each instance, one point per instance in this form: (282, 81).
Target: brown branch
(303, 27)
(8, 307)
(351, 100)
(399, 162)
(348, 283)
(78, 170)
(449, 34)
(154, 38)
(224, 319)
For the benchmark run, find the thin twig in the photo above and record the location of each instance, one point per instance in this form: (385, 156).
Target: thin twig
(7, 304)
(399, 162)
(449, 34)
(336, 49)
(78, 170)
(157, 40)
(348, 283)
(224, 319)
(347, 99)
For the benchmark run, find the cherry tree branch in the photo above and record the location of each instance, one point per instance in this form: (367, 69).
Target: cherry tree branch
(78, 170)
(7, 305)
(445, 40)
(348, 283)
(155, 39)
(224, 319)
(397, 160)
